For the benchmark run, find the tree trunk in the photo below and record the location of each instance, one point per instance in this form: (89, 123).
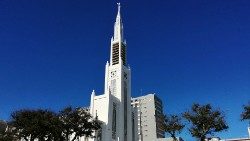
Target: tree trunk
(203, 138)
(74, 138)
(174, 138)
(67, 137)
(25, 138)
(31, 138)
(61, 138)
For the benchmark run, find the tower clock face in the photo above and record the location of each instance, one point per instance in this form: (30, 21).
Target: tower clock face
(113, 74)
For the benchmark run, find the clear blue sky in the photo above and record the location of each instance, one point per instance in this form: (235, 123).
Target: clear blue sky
(53, 53)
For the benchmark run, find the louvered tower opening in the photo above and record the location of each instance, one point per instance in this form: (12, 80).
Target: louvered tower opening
(115, 54)
(123, 54)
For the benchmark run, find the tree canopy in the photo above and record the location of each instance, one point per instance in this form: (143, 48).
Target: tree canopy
(173, 125)
(45, 125)
(3, 126)
(246, 113)
(5, 132)
(35, 124)
(205, 121)
(77, 123)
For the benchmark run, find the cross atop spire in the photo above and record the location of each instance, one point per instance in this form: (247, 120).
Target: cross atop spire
(118, 28)
(119, 7)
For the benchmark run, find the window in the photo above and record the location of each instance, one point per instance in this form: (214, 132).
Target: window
(125, 109)
(113, 87)
(133, 127)
(115, 54)
(114, 122)
(123, 54)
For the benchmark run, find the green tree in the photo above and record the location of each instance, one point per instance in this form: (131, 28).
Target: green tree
(3, 129)
(173, 125)
(45, 125)
(245, 115)
(205, 121)
(35, 124)
(6, 132)
(76, 122)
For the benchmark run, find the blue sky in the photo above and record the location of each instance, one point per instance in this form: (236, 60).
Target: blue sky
(53, 53)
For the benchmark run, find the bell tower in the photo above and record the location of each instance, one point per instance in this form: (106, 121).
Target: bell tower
(118, 83)
(113, 108)
(118, 46)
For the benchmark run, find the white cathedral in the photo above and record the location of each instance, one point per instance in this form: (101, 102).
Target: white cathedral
(113, 107)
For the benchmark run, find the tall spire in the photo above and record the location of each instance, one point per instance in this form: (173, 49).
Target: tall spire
(119, 10)
(118, 27)
(118, 46)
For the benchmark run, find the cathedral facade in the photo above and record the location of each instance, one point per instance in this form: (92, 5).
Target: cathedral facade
(113, 108)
